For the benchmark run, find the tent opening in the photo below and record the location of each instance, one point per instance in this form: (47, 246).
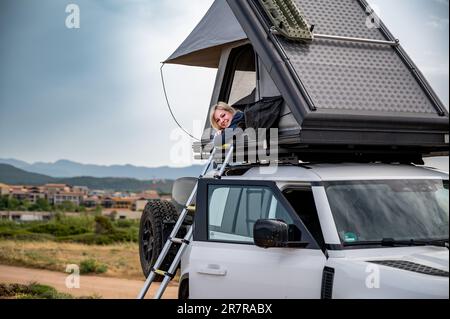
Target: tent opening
(239, 83)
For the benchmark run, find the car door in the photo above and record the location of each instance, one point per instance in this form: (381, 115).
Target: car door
(225, 263)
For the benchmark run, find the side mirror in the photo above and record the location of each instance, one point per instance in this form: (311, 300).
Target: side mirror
(273, 233)
(269, 233)
(182, 188)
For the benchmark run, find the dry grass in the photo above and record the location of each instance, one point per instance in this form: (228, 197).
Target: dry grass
(122, 260)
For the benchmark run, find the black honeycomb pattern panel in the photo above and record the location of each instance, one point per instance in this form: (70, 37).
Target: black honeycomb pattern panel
(353, 76)
(345, 18)
(410, 266)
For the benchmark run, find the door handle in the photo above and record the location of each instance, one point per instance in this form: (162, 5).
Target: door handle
(215, 270)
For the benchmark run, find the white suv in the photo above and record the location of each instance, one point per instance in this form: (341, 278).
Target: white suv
(320, 231)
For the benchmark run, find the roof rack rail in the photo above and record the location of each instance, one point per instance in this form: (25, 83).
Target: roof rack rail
(289, 21)
(285, 154)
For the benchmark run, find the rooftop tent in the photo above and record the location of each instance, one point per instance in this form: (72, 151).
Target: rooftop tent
(204, 45)
(344, 92)
(340, 94)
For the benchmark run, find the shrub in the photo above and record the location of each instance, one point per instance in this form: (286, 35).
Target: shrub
(126, 223)
(32, 291)
(113, 215)
(27, 236)
(83, 229)
(59, 229)
(103, 225)
(88, 266)
(13, 289)
(9, 225)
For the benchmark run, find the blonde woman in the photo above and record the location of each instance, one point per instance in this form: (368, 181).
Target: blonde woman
(223, 116)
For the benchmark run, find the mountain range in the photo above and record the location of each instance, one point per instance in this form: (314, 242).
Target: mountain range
(11, 175)
(66, 168)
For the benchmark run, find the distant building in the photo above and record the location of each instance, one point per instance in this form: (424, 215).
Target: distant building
(25, 216)
(59, 198)
(35, 193)
(123, 213)
(55, 188)
(4, 189)
(59, 193)
(107, 202)
(56, 194)
(18, 192)
(139, 204)
(81, 189)
(150, 194)
(91, 201)
(166, 197)
(96, 192)
(122, 202)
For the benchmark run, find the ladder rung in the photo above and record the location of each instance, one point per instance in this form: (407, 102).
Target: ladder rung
(163, 273)
(179, 241)
(190, 209)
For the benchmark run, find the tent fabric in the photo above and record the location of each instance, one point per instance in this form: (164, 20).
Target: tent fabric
(264, 113)
(203, 47)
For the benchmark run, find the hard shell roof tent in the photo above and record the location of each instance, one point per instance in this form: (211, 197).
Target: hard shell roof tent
(348, 87)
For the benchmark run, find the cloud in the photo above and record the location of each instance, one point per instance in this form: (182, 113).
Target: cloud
(437, 22)
(88, 92)
(95, 96)
(443, 2)
(433, 70)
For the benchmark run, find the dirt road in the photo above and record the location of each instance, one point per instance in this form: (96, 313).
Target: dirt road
(107, 288)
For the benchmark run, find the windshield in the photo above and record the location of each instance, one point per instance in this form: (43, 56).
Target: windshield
(395, 209)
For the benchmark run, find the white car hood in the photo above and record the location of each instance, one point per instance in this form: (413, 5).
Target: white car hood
(431, 256)
(391, 271)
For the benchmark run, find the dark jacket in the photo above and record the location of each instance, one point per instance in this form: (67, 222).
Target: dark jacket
(238, 121)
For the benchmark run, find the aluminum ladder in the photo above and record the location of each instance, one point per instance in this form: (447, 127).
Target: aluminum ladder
(184, 242)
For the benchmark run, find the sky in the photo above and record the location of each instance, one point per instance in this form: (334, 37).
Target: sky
(93, 94)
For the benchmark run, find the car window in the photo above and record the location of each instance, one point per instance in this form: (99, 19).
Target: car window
(397, 209)
(233, 211)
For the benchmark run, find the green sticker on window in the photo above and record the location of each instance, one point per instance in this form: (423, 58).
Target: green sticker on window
(349, 237)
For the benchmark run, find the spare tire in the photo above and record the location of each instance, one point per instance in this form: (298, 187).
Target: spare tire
(158, 219)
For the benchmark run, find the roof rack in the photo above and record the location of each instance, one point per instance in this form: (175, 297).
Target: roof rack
(289, 21)
(252, 153)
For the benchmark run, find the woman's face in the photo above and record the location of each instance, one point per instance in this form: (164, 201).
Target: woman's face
(223, 118)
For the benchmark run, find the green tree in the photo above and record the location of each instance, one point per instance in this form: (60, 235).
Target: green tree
(67, 206)
(58, 216)
(4, 202)
(24, 205)
(43, 205)
(13, 203)
(80, 209)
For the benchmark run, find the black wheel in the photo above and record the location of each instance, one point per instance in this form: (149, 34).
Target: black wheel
(183, 290)
(157, 221)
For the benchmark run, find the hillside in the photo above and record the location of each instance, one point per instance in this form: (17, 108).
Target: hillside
(66, 168)
(14, 176)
